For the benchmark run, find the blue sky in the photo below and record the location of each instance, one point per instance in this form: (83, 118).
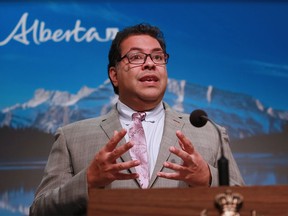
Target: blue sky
(240, 47)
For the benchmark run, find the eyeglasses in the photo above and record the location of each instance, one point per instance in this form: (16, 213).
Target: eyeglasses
(139, 58)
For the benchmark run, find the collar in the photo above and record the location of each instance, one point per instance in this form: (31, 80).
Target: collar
(125, 112)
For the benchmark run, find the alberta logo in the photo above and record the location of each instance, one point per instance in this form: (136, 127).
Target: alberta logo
(38, 33)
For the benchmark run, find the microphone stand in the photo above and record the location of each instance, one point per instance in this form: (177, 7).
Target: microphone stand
(223, 165)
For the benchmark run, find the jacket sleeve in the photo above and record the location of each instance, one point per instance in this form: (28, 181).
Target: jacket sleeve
(61, 191)
(235, 177)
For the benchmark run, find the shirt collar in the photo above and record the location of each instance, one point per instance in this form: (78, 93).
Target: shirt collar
(126, 112)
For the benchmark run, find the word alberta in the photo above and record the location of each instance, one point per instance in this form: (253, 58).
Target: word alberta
(40, 34)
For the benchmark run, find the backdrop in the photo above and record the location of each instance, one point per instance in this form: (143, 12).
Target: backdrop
(229, 59)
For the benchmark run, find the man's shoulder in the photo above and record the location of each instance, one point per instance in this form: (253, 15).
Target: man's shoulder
(82, 122)
(81, 125)
(175, 112)
(90, 122)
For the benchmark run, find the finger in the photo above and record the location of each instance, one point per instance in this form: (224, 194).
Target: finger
(173, 176)
(126, 176)
(185, 143)
(118, 167)
(117, 152)
(175, 167)
(186, 157)
(118, 135)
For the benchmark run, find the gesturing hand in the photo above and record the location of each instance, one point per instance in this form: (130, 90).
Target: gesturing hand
(104, 169)
(194, 170)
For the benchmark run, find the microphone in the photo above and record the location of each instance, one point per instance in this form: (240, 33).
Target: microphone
(199, 118)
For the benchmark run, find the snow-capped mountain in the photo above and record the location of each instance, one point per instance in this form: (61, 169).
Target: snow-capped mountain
(241, 114)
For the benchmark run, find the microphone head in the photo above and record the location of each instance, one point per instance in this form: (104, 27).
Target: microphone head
(197, 118)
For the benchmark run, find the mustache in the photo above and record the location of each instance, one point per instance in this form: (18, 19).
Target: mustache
(148, 67)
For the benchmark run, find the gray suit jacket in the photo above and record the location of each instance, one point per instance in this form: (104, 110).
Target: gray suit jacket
(63, 189)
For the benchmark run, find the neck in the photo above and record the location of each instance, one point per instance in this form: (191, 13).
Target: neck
(141, 106)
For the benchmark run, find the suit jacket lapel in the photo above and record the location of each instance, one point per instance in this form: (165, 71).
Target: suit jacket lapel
(173, 122)
(109, 124)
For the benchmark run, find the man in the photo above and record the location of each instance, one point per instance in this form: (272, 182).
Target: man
(97, 153)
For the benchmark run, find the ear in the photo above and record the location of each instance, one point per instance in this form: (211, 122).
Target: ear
(113, 76)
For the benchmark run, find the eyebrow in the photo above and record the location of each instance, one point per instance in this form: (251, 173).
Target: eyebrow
(141, 50)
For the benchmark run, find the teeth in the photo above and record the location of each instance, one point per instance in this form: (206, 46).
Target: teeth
(149, 79)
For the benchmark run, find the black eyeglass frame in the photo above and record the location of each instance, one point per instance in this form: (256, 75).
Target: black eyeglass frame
(166, 57)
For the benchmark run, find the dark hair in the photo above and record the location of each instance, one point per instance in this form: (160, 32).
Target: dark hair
(140, 29)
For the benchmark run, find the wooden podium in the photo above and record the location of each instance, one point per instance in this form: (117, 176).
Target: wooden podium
(257, 201)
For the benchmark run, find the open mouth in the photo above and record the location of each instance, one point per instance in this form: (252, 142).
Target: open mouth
(149, 79)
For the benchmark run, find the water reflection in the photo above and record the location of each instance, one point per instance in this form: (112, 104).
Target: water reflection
(16, 202)
(19, 180)
(263, 168)
(18, 184)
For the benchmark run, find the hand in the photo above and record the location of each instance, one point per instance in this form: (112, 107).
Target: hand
(194, 170)
(103, 169)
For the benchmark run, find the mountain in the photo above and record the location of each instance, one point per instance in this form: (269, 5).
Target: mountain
(241, 114)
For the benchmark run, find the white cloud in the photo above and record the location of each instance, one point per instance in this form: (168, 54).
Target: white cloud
(269, 69)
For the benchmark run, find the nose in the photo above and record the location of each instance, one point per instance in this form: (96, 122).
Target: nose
(148, 64)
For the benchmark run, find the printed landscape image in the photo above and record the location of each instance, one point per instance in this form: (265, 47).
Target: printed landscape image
(259, 136)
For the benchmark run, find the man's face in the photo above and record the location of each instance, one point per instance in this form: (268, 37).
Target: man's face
(141, 87)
